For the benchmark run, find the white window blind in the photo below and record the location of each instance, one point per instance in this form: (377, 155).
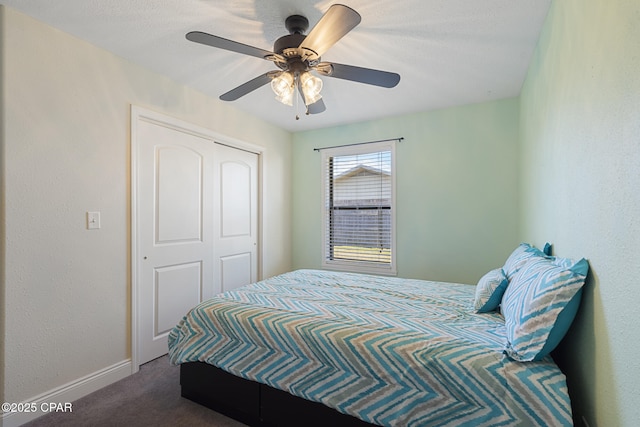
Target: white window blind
(359, 208)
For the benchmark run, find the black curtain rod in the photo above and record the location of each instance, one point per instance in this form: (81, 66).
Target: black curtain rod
(400, 139)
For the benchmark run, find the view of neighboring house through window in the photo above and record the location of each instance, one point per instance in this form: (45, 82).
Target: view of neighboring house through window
(359, 208)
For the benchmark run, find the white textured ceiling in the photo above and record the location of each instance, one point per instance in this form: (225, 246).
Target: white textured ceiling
(447, 52)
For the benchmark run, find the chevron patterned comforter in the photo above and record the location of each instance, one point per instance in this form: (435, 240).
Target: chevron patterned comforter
(391, 351)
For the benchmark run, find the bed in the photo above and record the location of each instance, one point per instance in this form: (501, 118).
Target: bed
(370, 350)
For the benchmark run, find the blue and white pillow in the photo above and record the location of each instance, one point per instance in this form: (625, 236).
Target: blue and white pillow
(540, 304)
(523, 253)
(489, 291)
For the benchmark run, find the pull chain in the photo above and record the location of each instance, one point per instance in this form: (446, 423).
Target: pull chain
(296, 89)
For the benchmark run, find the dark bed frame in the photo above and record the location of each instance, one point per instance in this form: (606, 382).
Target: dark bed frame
(253, 403)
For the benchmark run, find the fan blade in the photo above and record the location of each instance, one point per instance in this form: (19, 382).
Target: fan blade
(358, 74)
(222, 43)
(333, 25)
(316, 107)
(247, 87)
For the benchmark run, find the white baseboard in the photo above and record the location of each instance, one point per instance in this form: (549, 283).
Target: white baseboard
(68, 393)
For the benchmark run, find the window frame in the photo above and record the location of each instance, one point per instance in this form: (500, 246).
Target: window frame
(351, 265)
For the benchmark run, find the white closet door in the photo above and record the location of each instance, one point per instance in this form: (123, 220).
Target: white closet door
(195, 225)
(175, 230)
(235, 217)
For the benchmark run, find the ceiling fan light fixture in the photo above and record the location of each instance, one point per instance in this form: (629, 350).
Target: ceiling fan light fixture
(311, 87)
(282, 86)
(286, 98)
(296, 54)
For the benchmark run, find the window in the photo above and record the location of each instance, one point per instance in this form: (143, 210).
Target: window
(359, 205)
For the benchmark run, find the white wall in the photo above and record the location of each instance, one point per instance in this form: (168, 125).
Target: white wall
(67, 151)
(580, 115)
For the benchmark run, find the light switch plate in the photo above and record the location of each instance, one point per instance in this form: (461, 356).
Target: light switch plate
(93, 220)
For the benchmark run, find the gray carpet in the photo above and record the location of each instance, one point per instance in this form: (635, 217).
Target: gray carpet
(151, 397)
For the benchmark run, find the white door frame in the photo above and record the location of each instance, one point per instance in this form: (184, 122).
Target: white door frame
(140, 113)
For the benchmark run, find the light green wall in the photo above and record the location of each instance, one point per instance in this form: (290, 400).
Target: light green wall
(580, 133)
(456, 189)
(65, 140)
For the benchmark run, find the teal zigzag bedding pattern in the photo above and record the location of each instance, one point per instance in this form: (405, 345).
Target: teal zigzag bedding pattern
(393, 352)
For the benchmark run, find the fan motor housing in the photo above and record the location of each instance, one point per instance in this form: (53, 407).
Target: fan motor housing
(291, 41)
(288, 47)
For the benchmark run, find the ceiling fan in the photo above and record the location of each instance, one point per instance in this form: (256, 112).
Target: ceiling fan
(297, 55)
